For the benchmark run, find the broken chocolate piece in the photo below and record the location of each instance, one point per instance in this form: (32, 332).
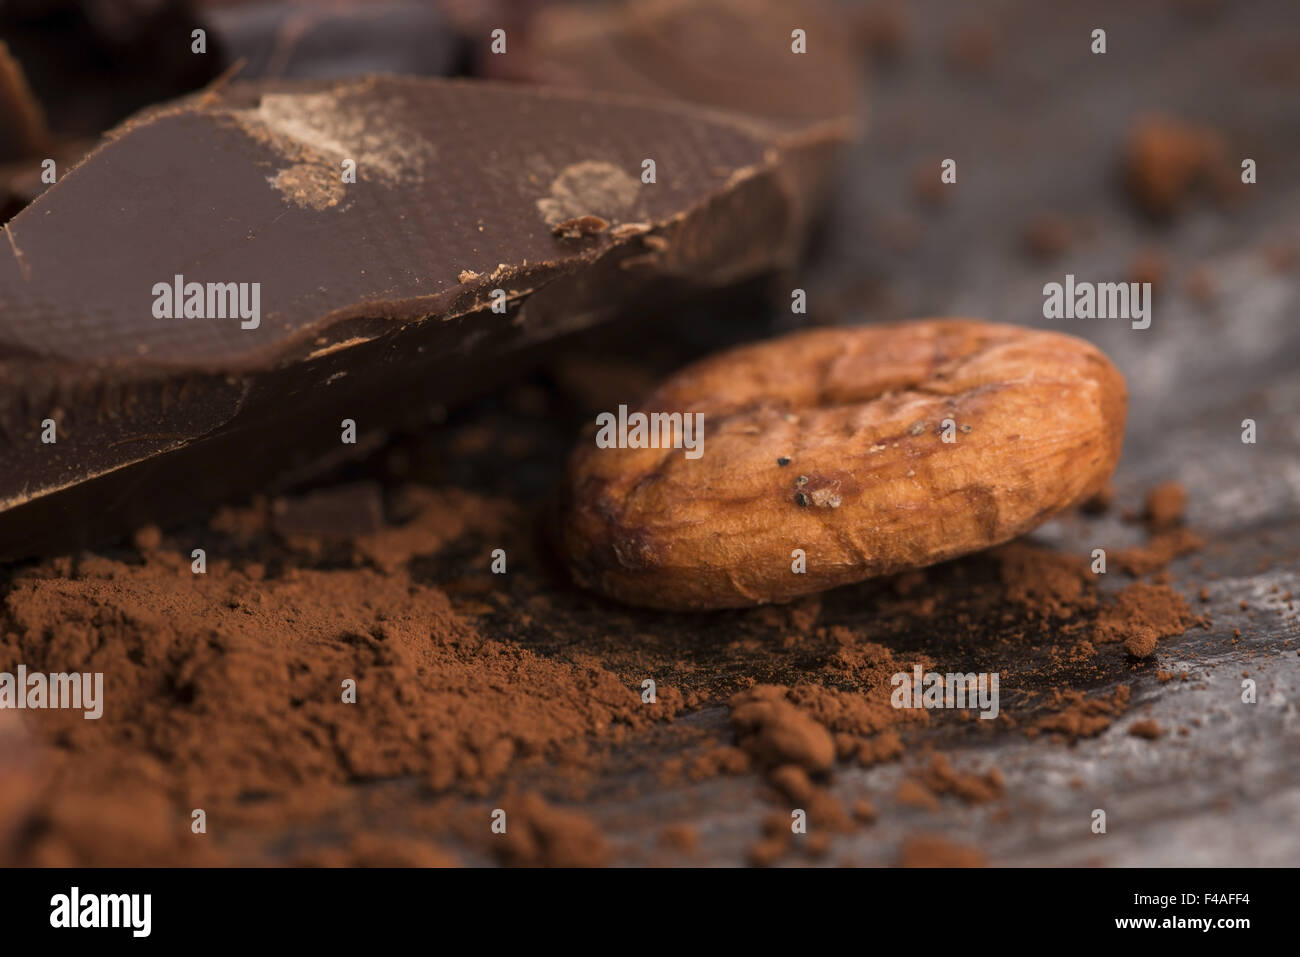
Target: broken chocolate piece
(734, 55)
(21, 181)
(581, 226)
(209, 285)
(275, 38)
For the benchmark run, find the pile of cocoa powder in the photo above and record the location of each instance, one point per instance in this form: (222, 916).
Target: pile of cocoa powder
(477, 691)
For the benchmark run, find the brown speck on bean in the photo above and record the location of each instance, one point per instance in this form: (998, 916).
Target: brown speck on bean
(801, 499)
(917, 427)
(801, 480)
(783, 461)
(966, 429)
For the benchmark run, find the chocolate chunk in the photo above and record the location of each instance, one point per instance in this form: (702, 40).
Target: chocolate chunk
(21, 181)
(580, 226)
(733, 55)
(363, 300)
(282, 39)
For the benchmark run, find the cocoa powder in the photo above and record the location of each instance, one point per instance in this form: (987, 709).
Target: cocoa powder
(1142, 615)
(225, 689)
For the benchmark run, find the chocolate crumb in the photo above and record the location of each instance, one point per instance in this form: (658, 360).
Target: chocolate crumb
(1048, 236)
(1149, 265)
(1100, 503)
(580, 226)
(1146, 728)
(1165, 505)
(1165, 159)
(1141, 615)
(933, 850)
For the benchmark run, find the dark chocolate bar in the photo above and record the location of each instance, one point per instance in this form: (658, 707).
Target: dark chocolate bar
(199, 304)
(275, 38)
(788, 65)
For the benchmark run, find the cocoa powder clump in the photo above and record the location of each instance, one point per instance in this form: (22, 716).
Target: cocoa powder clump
(1141, 615)
(775, 732)
(1080, 716)
(941, 778)
(1049, 583)
(1165, 505)
(934, 850)
(1146, 728)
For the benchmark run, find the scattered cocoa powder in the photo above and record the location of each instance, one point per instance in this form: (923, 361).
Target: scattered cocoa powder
(864, 811)
(226, 692)
(971, 48)
(367, 849)
(934, 850)
(1200, 285)
(1165, 505)
(1149, 266)
(792, 781)
(940, 777)
(1164, 159)
(1050, 584)
(881, 30)
(226, 688)
(148, 538)
(1048, 236)
(1281, 258)
(1141, 615)
(926, 186)
(1159, 550)
(768, 851)
(1100, 503)
(539, 834)
(1080, 716)
(775, 732)
(681, 838)
(912, 793)
(1146, 728)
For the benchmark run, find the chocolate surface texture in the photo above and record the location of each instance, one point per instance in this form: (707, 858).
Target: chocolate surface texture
(374, 298)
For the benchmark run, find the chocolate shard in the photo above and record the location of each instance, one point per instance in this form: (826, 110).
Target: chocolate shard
(789, 66)
(277, 38)
(738, 55)
(365, 300)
